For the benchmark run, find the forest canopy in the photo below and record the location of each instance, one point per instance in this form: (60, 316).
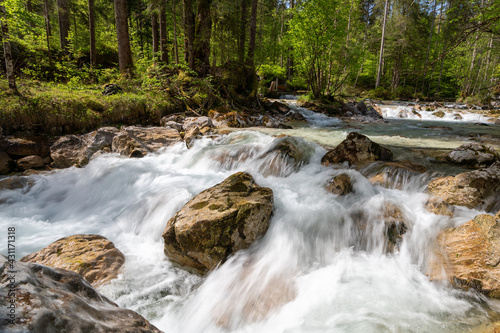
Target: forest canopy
(381, 48)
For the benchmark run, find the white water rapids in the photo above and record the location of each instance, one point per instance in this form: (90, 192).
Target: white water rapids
(313, 271)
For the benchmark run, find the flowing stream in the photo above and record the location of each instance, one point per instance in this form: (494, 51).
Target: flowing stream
(313, 271)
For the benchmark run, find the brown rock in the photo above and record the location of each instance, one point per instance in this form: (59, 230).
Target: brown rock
(474, 189)
(16, 182)
(439, 114)
(469, 256)
(57, 300)
(6, 163)
(92, 256)
(199, 122)
(356, 149)
(18, 147)
(439, 207)
(392, 174)
(340, 184)
(219, 221)
(30, 162)
(191, 135)
(285, 155)
(65, 151)
(395, 226)
(138, 141)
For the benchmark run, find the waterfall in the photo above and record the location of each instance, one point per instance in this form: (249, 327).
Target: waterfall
(324, 265)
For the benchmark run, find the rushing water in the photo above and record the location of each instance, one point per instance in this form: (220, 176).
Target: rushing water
(315, 270)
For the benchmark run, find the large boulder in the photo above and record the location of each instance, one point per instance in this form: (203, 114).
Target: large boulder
(92, 256)
(468, 256)
(217, 222)
(57, 300)
(65, 151)
(356, 149)
(96, 141)
(473, 155)
(138, 141)
(475, 189)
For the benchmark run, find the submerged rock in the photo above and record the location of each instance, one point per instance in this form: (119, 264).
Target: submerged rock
(340, 184)
(356, 149)
(473, 155)
(138, 141)
(17, 182)
(474, 189)
(92, 256)
(469, 256)
(217, 222)
(59, 300)
(392, 174)
(285, 155)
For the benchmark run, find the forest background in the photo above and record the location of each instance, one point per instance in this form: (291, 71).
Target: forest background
(205, 54)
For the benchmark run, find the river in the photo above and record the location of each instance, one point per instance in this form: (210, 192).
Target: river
(313, 271)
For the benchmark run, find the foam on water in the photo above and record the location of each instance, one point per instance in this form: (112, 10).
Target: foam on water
(315, 270)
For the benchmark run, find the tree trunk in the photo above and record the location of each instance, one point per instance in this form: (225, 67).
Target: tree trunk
(154, 29)
(242, 31)
(176, 48)
(381, 57)
(189, 32)
(163, 34)
(201, 47)
(124, 53)
(48, 31)
(63, 14)
(9, 66)
(429, 45)
(253, 30)
(93, 50)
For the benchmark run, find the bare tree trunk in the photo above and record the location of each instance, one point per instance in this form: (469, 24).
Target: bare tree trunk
(9, 66)
(48, 29)
(176, 49)
(163, 34)
(93, 50)
(242, 31)
(201, 47)
(429, 45)
(189, 32)
(289, 62)
(488, 57)
(253, 30)
(63, 14)
(154, 29)
(381, 57)
(124, 53)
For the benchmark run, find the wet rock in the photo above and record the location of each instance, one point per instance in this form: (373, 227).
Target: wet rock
(96, 141)
(18, 147)
(139, 141)
(474, 189)
(191, 135)
(30, 162)
(439, 114)
(473, 155)
(217, 222)
(408, 113)
(285, 155)
(16, 182)
(439, 207)
(457, 116)
(57, 300)
(6, 163)
(356, 149)
(111, 89)
(340, 184)
(199, 122)
(392, 174)
(469, 256)
(94, 257)
(174, 125)
(65, 151)
(395, 226)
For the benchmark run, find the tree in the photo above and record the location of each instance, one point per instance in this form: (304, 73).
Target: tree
(382, 40)
(93, 50)
(11, 78)
(63, 15)
(124, 53)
